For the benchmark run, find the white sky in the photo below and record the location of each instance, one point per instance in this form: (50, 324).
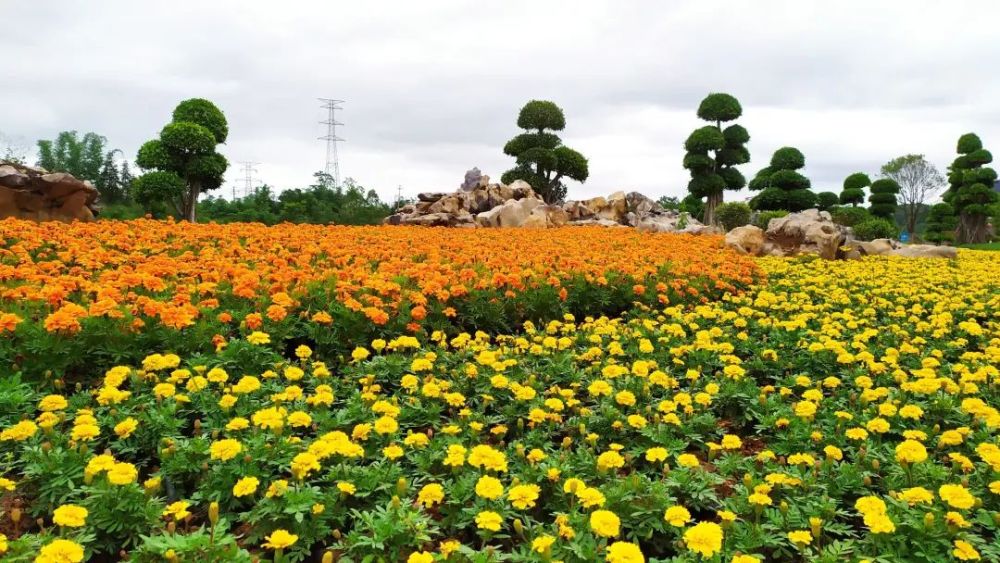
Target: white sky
(433, 88)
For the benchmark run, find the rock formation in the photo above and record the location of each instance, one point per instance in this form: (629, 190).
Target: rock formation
(34, 193)
(814, 232)
(478, 203)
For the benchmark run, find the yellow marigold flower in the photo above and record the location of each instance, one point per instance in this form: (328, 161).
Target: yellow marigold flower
(276, 489)
(125, 428)
(246, 486)
(258, 338)
(956, 496)
(731, 442)
(70, 515)
(280, 539)
(488, 520)
(800, 538)
(60, 551)
(303, 464)
(688, 460)
(430, 494)
(420, 557)
(964, 551)
(225, 450)
(656, 454)
(489, 487)
(704, 538)
(346, 488)
(624, 552)
(542, 544)
(177, 510)
(51, 403)
(610, 460)
(604, 523)
(122, 473)
(910, 451)
(523, 496)
(677, 516)
(916, 495)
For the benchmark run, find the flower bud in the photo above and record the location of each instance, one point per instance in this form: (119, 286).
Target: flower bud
(876, 465)
(213, 513)
(15, 515)
(783, 507)
(928, 519)
(518, 526)
(401, 486)
(171, 556)
(327, 557)
(867, 481)
(395, 501)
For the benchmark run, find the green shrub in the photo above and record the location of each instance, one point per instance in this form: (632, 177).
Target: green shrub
(849, 216)
(764, 217)
(732, 215)
(873, 228)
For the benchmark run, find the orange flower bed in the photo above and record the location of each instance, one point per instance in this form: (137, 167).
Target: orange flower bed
(117, 289)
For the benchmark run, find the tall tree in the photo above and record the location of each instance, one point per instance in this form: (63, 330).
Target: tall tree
(970, 190)
(541, 159)
(918, 181)
(81, 157)
(854, 189)
(713, 152)
(780, 184)
(183, 163)
(883, 198)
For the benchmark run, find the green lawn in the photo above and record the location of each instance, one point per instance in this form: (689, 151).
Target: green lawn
(983, 246)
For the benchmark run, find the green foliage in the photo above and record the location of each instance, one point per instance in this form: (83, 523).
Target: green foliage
(183, 161)
(826, 200)
(941, 224)
(733, 214)
(883, 198)
(720, 107)
(670, 203)
(763, 218)
(541, 159)
(692, 205)
(849, 216)
(713, 152)
(781, 186)
(874, 228)
(970, 190)
(81, 157)
(854, 189)
(320, 203)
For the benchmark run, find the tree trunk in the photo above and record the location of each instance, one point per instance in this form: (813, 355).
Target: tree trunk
(191, 203)
(711, 202)
(911, 219)
(972, 229)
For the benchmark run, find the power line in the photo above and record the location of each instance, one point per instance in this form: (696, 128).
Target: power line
(332, 159)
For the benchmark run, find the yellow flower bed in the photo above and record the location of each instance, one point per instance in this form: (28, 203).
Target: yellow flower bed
(838, 411)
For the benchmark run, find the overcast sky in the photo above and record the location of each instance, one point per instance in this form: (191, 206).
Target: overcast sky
(433, 88)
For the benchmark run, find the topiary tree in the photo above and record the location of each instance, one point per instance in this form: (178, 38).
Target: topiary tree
(183, 163)
(733, 214)
(883, 198)
(826, 200)
(941, 224)
(780, 185)
(692, 205)
(713, 152)
(970, 190)
(542, 160)
(854, 189)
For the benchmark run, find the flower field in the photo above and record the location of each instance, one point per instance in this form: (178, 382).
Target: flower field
(707, 408)
(89, 296)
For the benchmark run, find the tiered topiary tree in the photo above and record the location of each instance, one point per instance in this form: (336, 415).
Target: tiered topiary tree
(970, 190)
(941, 223)
(854, 189)
(542, 160)
(182, 164)
(826, 200)
(883, 198)
(713, 152)
(781, 186)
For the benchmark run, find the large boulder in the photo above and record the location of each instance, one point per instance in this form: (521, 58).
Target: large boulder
(640, 204)
(807, 232)
(747, 239)
(877, 247)
(33, 193)
(925, 251)
(545, 217)
(615, 208)
(665, 222)
(474, 179)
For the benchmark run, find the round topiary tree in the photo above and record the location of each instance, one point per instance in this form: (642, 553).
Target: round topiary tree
(713, 153)
(733, 214)
(541, 159)
(941, 224)
(826, 200)
(883, 198)
(183, 163)
(780, 184)
(854, 189)
(970, 190)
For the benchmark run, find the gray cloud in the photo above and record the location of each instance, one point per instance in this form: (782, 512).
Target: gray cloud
(434, 88)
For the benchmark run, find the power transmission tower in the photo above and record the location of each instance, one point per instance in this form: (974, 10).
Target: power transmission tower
(248, 171)
(332, 160)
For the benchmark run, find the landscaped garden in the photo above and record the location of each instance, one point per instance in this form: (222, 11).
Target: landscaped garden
(179, 392)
